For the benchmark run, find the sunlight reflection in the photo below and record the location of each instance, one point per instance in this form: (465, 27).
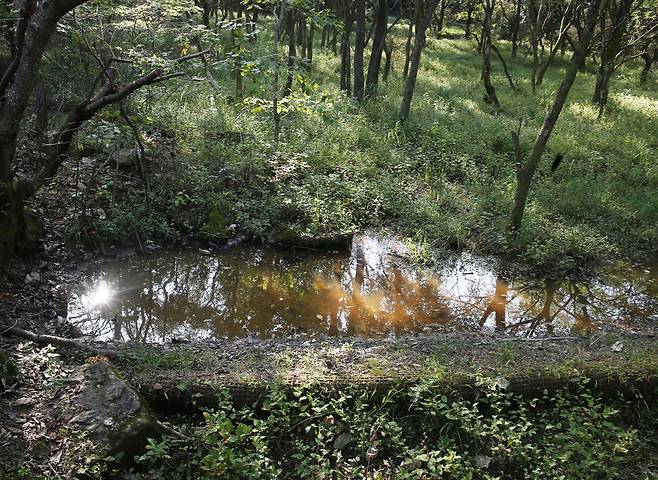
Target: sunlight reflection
(99, 296)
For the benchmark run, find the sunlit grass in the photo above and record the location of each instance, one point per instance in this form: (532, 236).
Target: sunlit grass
(448, 173)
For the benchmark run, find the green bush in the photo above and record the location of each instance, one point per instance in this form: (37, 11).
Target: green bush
(418, 433)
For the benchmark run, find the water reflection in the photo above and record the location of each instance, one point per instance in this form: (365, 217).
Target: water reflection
(369, 292)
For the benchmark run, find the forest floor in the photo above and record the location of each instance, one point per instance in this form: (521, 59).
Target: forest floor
(443, 180)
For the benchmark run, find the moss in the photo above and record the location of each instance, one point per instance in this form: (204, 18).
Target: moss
(131, 438)
(218, 223)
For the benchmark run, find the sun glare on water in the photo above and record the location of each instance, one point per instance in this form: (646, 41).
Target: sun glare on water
(101, 295)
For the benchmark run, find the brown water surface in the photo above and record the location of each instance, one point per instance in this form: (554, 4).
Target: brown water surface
(370, 291)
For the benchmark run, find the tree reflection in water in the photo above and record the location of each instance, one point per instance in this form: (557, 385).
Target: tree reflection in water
(368, 292)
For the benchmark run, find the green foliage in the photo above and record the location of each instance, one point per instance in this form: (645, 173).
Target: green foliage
(444, 178)
(418, 433)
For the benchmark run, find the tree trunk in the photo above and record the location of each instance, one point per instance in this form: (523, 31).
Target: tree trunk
(360, 41)
(516, 24)
(379, 40)
(279, 14)
(388, 50)
(291, 53)
(525, 173)
(345, 47)
(549, 60)
(649, 58)
(423, 16)
(407, 49)
(490, 97)
(12, 223)
(469, 22)
(442, 14)
(611, 44)
(309, 42)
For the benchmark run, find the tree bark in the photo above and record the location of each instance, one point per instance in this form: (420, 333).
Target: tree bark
(612, 38)
(423, 16)
(388, 50)
(525, 173)
(407, 49)
(291, 52)
(345, 47)
(279, 14)
(360, 41)
(490, 90)
(649, 58)
(379, 40)
(516, 25)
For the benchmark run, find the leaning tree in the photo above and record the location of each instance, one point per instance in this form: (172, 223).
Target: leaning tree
(119, 73)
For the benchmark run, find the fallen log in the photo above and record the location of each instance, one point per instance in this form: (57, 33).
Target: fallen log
(55, 341)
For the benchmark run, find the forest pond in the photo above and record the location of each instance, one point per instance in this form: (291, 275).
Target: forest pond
(369, 290)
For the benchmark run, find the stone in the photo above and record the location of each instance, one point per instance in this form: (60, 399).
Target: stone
(125, 157)
(33, 278)
(8, 370)
(112, 413)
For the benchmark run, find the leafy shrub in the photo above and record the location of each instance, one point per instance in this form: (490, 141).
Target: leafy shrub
(418, 433)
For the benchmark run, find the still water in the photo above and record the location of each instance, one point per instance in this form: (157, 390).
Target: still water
(368, 291)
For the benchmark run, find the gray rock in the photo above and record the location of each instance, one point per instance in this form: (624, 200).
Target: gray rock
(33, 278)
(111, 412)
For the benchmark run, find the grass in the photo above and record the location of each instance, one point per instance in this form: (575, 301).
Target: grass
(443, 179)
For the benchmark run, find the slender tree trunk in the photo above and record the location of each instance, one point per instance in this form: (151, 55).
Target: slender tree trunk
(309, 41)
(510, 80)
(407, 49)
(490, 96)
(291, 53)
(379, 40)
(238, 62)
(525, 172)
(469, 22)
(549, 60)
(423, 16)
(345, 64)
(388, 50)
(334, 40)
(442, 16)
(649, 59)
(536, 13)
(516, 25)
(279, 14)
(611, 44)
(303, 33)
(360, 41)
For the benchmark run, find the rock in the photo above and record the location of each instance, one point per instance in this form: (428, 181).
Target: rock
(617, 347)
(111, 412)
(33, 278)
(8, 370)
(125, 157)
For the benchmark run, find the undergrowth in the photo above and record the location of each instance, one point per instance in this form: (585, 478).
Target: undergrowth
(317, 432)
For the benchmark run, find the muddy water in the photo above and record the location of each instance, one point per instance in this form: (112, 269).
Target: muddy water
(370, 291)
